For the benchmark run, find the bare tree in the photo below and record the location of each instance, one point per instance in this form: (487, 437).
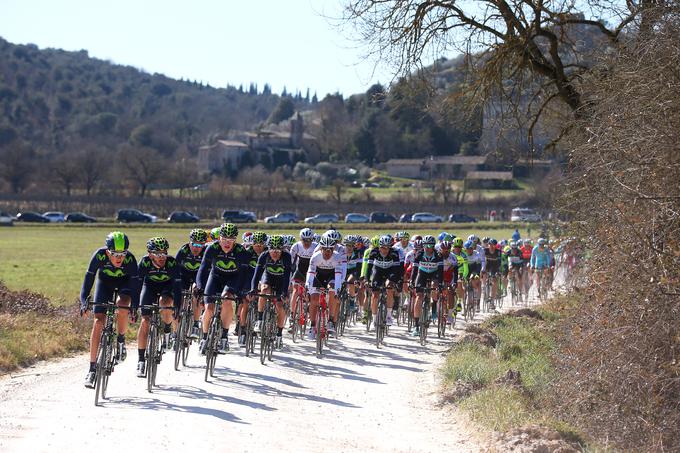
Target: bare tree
(527, 53)
(17, 165)
(93, 168)
(65, 171)
(141, 165)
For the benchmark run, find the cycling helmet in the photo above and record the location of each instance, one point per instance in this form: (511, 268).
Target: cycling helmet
(198, 235)
(442, 236)
(429, 241)
(367, 242)
(117, 242)
(375, 241)
(513, 244)
(486, 240)
(228, 230)
(333, 234)
(276, 242)
(445, 244)
(541, 241)
(247, 237)
(350, 239)
(317, 237)
(472, 238)
(458, 242)
(385, 241)
(288, 240)
(327, 242)
(418, 244)
(306, 234)
(417, 237)
(398, 235)
(468, 244)
(493, 242)
(504, 242)
(157, 244)
(404, 234)
(259, 237)
(215, 233)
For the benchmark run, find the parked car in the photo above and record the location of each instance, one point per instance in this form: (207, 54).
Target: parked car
(29, 216)
(354, 217)
(134, 215)
(6, 219)
(382, 217)
(426, 217)
(405, 218)
(524, 215)
(282, 217)
(55, 216)
(239, 216)
(462, 218)
(79, 217)
(183, 217)
(322, 218)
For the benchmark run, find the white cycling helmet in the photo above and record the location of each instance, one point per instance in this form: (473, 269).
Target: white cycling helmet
(306, 234)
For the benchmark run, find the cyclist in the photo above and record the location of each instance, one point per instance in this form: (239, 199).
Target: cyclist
(335, 302)
(384, 268)
(222, 271)
(214, 235)
(516, 267)
(160, 276)
(527, 249)
(492, 268)
(325, 271)
(257, 241)
(300, 254)
(540, 259)
(116, 268)
(450, 277)
(273, 269)
(476, 265)
(463, 270)
(189, 259)
(428, 268)
(354, 264)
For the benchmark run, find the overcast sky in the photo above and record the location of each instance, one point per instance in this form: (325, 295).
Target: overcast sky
(290, 43)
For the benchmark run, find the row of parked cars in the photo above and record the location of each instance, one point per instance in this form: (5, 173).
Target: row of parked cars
(137, 216)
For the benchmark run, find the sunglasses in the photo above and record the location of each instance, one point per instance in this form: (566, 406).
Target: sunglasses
(159, 254)
(222, 238)
(197, 244)
(118, 254)
(327, 249)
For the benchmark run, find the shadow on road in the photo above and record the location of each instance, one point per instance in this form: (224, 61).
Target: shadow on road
(155, 404)
(188, 391)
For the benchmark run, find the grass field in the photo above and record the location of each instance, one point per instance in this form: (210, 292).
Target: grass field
(52, 259)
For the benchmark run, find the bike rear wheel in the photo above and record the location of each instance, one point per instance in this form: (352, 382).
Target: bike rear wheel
(151, 357)
(441, 318)
(100, 369)
(380, 322)
(264, 335)
(320, 331)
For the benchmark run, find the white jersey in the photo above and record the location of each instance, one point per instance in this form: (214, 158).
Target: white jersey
(477, 257)
(403, 250)
(450, 261)
(317, 264)
(410, 256)
(482, 253)
(298, 250)
(340, 250)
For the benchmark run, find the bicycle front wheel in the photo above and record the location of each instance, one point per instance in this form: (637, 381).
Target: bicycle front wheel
(100, 367)
(151, 357)
(264, 335)
(320, 331)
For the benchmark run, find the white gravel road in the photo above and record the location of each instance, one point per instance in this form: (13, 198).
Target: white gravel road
(356, 398)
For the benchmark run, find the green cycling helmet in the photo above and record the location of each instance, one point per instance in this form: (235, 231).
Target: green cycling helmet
(198, 235)
(275, 242)
(228, 230)
(375, 241)
(458, 242)
(117, 241)
(215, 233)
(259, 237)
(157, 244)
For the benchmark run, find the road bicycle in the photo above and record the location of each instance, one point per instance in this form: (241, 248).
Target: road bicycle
(381, 318)
(106, 356)
(298, 312)
(185, 323)
(251, 318)
(469, 304)
(154, 342)
(321, 325)
(425, 317)
(215, 330)
(268, 328)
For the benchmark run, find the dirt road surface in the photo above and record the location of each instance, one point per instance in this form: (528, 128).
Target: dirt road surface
(355, 398)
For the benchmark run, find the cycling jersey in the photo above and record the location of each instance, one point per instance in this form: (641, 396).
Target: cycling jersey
(300, 256)
(404, 250)
(222, 270)
(275, 273)
(463, 267)
(110, 278)
(540, 259)
(476, 263)
(354, 263)
(515, 258)
(165, 281)
(450, 273)
(188, 264)
(526, 252)
(340, 250)
(493, 261)
(323, 271)
(381, 268)
(427, 268)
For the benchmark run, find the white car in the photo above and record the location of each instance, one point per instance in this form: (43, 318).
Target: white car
(6, 219)
(426, 217)
(55, 216)
(524, 215)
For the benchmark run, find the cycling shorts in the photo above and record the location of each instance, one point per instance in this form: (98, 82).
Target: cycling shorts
(324, 278)
(379, 279)
(104, 289)
(423, 279)
(150, 292)
(217, 285)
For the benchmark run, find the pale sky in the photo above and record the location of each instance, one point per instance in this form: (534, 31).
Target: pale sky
(281, 42)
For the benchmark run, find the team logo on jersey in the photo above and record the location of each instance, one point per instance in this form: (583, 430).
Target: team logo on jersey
(253, 263)
(229, 265)
(116, 273)
(101, 256)
(159, 277)
(192, 266)
(275, 269)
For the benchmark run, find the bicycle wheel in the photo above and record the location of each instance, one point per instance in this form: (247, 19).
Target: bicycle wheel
(264, 334)
(424, 321)
(470, 304)
(150, 357)
(441, 318)
(295, 319)
(320, 331)
(179, 340)
(380, 322)
(215, 345)
(100, 367)
(272, 335)
(249, 330)
(187, 341)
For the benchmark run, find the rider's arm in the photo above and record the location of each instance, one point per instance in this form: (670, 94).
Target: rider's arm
(311, 270)
(440, 271)
(338, 272)
(176, 285)
(414, 269)
(90, 275)
(142, 271)
(364, 264)
(534, 257)
(259, 270)
(287, 268)
(204, 269)
(398, 270)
